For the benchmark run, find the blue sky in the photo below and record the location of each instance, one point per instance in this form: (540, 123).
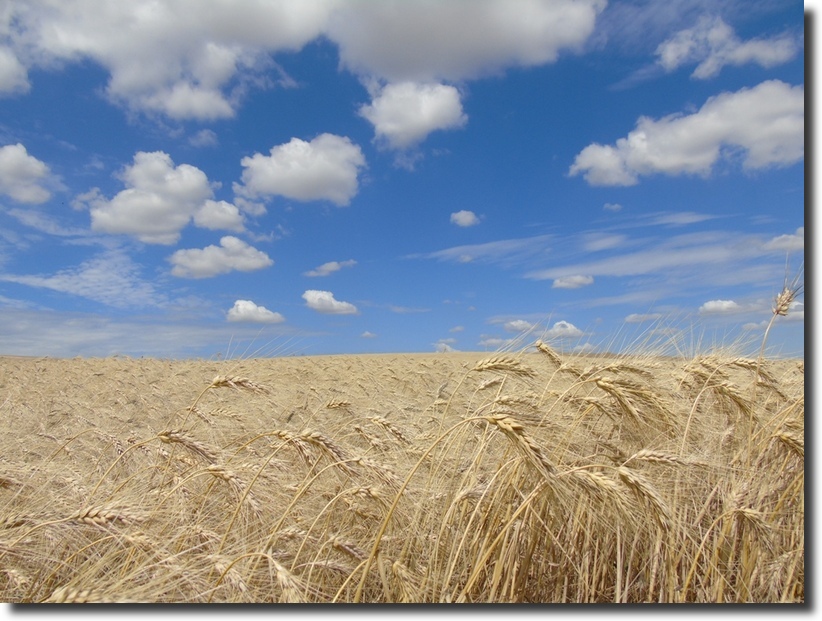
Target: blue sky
(188, 177)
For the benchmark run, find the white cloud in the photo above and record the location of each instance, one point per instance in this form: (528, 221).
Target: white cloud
(368, 335)
(219, 215)
(517, 325)
(13, 75)
(713, 44)
(32, 332)
(680, 218)
(639, 318)
(506, 251)
(445, 345)
(495, 342)
(595, 242)
(21, 175)
(324, 169)
(457, 329)
(464, 218)
(159, 200)
(171, 57)
(174, 58)
(719, 306)
(111, 278)
(612, 207)
(429, 40)
(789, 243)
(679, 252)
(405, 310)
(763, 125)
(329, 268)
(585, 348)
(232, 254)
(572, 282)
(324, 302)
(248, 311)
(404, 114)
(204, 138)
(563, 329)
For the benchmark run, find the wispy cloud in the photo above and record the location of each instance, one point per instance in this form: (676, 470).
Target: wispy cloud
(110, 278)
(505, 251)
(572, 282)
(665, 255)
(61, 334)
(329, 268)
(642, 317)
(713, 44)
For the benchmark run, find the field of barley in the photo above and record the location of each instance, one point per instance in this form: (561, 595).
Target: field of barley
(531, 476)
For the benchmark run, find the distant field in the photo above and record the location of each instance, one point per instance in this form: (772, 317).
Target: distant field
(458, 477)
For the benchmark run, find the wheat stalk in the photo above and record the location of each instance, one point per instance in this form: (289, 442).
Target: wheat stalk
(72, 595)
(659, 457)
(552, 355)
(288, 583)
(326, 445)
(645, 491)
(515, 431)
(178, 437)
(233, 381)
(389, 426)
(504, 363)
(102, 516)
(236, 484)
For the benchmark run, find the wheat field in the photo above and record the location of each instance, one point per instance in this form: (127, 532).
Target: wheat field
(531, 476)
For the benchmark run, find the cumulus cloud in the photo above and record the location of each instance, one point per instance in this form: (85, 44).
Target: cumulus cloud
(788, 243)
(464, 218)
(719, 307)
(763, 125)
(572, 282)
(160, 200)
(517, 325)
(404, 114)
(433, 41)
(13, 75)
(22, 175)
(232, 254)
(713, 44)
(326, 168)
(219, 215)
(324, 302)
(444, 345)
(329, 268)
(368, 335)
(160, 59)
(563, 329)
(246, 311)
